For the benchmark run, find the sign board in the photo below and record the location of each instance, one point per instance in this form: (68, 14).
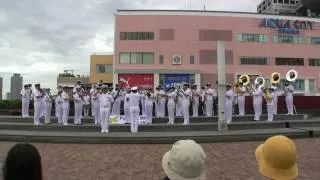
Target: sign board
(139, 80)
(175, 79)
(287, 26)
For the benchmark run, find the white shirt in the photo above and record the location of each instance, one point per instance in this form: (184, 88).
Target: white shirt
(186, 96)
(26, 93)
(289, 90)
(148, 100)
(65, 97)
(257, 93)
(105, 100)
(209, 93)
(134, 100)
(171, 98)
(77, 98)
(161, 95)
(242, 90)
(86, 99)
(229, 95)
(59, 100)
(196, 94)
(47, 98)
(126, 100)
(271, 102)
(37, 93)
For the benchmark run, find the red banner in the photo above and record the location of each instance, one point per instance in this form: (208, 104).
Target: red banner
(139, 80)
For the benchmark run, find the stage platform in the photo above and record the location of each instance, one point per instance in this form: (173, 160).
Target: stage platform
(201, 129)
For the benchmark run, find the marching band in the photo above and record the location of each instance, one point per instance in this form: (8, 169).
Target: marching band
(106, 101)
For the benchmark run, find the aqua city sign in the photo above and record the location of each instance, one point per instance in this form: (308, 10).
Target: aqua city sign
(286, 26)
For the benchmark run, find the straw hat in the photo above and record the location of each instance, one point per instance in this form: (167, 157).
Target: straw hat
(185, 161)
(277, 158)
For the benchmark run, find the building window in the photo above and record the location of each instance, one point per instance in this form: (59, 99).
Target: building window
(290, 61)
(161, 59)
(136, 58)
(253, 38)
(314, 40)
(192, 59)
(288, 39)
(254, 60)
(104, 68)
(314, 62)
(136, 35)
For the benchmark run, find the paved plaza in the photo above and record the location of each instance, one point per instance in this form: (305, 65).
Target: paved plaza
(225, 161)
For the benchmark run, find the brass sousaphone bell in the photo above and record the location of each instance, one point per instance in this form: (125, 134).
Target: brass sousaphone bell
(275, 78)
(292, 75)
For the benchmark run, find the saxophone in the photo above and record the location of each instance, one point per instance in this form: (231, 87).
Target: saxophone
(267, 95)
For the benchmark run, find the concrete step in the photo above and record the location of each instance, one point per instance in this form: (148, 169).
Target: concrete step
(146, 137)
(156, 127)
(299, 123)
(313, 131)
(86, 120)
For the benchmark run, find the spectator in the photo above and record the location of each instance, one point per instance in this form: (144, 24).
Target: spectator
(185, 161)
(277, 158)
(23, 162)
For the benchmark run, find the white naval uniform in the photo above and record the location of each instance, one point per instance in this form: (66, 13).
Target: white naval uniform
(171, 106)
(275, 100)
(48, 107)
(86, 104)
(134, 101)
(229, 105)
(106, 101)
(162, 103)
(195, 103)
(25, 98)
(289, 99)
(59, 108)
(257, 103)
(117, 103)
(126, 107)
(185, 105)
(92, 101)
(77, 108)
(179, 105)
(65, 107)
(96, 109)
(143, 108)
(38, 101)
(156, 103)
(241, 100)
(148, 108)
(270, 105)
(209, 93)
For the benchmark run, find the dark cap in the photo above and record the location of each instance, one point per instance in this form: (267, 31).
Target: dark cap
(37, 85)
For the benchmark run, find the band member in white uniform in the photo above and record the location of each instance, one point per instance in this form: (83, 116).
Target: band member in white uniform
(288, 92)
(186, 95)
(149, 106)
(275, 98)
(270, 105)
(257, 102)
(59, 107)
(48, 105)
(195, 100)
(134, 101)
(92, 90)
(86, 104)
(179, 102)
(117, 101)
(143, 107)
(203, 102)
(171, 104)
(241, 99)
(229, 103)
(126, 105)
(59, 88)
(106, 100)
(65, 105)
(38, 99)
(162, 102)
(209, 95)
(156, 103)
(25, 98)
(77, 106)
(96, 110)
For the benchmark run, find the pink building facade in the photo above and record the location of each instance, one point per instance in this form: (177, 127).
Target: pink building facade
(170, 47)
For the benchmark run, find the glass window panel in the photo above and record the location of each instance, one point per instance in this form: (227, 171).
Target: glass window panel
(191, 59)
(108, 68)
(100, 68)
(315, 40)
(148, 58)
(161, 59)
(122, 36)
(136, 58)
(124, 58)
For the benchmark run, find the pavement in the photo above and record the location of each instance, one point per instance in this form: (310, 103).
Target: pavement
(225, 161)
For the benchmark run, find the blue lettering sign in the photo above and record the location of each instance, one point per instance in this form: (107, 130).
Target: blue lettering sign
(175, 79)
(286, 26)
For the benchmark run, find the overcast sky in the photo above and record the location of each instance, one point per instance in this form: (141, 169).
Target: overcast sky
(40, 38)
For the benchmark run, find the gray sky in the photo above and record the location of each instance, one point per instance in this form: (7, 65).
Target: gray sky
(40, 38)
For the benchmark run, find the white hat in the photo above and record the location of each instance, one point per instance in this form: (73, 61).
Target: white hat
(185, 161)
(134, 88)
(104, 86)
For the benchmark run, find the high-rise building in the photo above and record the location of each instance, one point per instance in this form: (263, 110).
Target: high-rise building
(282, 7)
(0, 88)
(7, 96)
(16, 86)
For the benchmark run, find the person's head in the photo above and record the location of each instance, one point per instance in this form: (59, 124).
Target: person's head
(277, 158)
(59, 92)
(203, 88)
(240, 84)
(37, 86)
(23, 162)
(48, 90)
(274, 84)
(287, 83)
(185, 160)
(185, 86)
(104, 89)
(134, 90)
(194, 87)
(117, 87)
(65, 88)
(26, 86)
(208, 85)
(256, 85)
(228, 87)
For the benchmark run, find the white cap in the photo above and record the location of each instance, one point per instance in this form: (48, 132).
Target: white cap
(185, 161)
(134, 88)
(104, 86)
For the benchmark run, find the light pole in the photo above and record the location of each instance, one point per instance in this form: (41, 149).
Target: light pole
(221, 59)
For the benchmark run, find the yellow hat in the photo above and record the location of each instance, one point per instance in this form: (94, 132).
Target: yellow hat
(277, 158)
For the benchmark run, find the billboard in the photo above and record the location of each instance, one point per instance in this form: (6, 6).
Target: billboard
(174, 79)
(139, 80)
